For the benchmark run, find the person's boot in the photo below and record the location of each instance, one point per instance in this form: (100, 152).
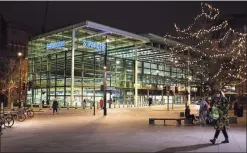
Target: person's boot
(225, 141)
(213, 141)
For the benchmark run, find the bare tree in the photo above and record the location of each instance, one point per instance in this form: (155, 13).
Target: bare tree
(10, 84)
(217, 52)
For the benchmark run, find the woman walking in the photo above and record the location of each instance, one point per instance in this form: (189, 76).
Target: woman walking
(101, 103)
(220, 103)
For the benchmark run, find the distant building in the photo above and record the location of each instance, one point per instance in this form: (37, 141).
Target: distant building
(17, 42)
(12, 39)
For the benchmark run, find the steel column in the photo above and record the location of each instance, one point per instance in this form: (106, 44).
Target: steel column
(72, 68)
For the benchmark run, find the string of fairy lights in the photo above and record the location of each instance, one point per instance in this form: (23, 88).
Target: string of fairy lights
(218, 43)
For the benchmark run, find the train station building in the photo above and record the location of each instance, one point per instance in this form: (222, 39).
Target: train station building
(73, 63)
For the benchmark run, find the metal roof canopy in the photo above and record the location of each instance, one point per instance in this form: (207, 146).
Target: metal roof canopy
(94, 26)
(123, 44)
(95, 32)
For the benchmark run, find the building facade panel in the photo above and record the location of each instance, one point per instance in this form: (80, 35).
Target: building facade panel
(71, 73)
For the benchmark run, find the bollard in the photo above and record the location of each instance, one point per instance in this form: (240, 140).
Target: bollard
(75, 105)
(11, 105)
(2, 106)
(40, 107)
(21, 104)
(67, 106)
(83, 105)
(31, 105)
(91, 105)
(97, 105)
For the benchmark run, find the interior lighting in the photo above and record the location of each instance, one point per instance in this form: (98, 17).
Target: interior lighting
(19, 54)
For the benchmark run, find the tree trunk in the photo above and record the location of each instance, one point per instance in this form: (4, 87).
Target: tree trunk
(9, 99)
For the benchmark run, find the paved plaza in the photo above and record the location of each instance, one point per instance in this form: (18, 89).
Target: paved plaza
(123, 130)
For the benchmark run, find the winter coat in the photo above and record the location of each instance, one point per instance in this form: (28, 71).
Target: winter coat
(55, 104)
(101, 103)
(187, 112)
(223, 105)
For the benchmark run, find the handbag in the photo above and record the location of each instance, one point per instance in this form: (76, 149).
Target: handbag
(215, 113)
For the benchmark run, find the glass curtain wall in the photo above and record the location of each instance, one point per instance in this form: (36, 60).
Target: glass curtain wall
(50, 63)
(49, 71)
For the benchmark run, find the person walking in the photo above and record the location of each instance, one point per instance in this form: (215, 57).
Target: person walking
(220, 102)
(101, 103)
(150, 101)
(203, 111)
(43, 103)
(55, 106)
(84, 104)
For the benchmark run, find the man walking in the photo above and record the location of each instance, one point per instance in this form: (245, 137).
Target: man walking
(221, 104)
(150, 101)
(55, 106)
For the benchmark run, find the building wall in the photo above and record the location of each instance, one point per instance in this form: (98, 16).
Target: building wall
(51, 77)
(13, 41)
(50, 72)
(241, 88)
(17, 42)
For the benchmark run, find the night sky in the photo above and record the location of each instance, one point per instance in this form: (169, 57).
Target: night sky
(137, 17)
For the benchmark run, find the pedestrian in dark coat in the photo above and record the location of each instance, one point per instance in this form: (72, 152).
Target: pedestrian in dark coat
(55, 106)
(150, 101)
(220, 102)
(188, 115)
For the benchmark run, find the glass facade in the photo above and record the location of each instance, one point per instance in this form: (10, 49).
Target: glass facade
(68, 64)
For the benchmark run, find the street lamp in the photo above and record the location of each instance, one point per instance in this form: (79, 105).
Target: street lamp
(105, 76)
(19, 54)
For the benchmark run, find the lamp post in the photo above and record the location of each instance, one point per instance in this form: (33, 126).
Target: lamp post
(105, 76)
(19, 54)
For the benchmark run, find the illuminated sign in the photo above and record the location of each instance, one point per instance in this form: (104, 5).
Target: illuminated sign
(56, 45)
(91, 44)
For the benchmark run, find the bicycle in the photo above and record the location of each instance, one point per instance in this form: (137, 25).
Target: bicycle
(29, 112)
(7, 120)
(19, 115)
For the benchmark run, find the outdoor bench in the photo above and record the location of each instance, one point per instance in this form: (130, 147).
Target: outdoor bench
(152, 120)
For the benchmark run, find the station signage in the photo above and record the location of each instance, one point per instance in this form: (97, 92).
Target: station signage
(55, 45)
(94, 45)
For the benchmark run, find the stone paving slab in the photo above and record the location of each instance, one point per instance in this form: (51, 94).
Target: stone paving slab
(123, 130)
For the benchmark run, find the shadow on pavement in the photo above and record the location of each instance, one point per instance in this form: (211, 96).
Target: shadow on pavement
(186, 148)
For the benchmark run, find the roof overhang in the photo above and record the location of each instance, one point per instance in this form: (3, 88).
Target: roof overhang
(97, 26)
